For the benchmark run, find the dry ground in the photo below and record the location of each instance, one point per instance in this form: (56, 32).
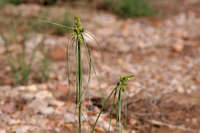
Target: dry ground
(163, 52)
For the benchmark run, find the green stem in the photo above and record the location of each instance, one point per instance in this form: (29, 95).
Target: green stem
(112, 109)
(79, 83)
(120, 108)
(77, 72)
(103, 108)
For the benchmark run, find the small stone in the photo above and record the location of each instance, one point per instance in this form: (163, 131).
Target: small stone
(29, 96)
(14, 121)
(32, 88)
(9, 108)
(133, 131)
(189, 91)
(181, 19)
(21, 129)
(57, 54)
(70, 118)
(41, 106)
(132, 122)
(106, 125)
(193, 87)
(2, 131)
(124, 131)
(195, 120)
(63, 88)
(105, 20)
(180, 90)
(43, 86)
(47, 110)
(56, 102)
(21, 88)
(44, 94)
(105, 32)
(178, 46)
(102, 122)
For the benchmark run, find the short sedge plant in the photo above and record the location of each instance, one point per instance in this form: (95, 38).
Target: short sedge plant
(123, 81)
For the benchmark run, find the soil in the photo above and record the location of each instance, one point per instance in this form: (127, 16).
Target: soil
(163, 53)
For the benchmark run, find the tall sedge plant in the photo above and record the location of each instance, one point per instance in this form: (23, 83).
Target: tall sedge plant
(78, 30)
(78, 33)
(78, 36)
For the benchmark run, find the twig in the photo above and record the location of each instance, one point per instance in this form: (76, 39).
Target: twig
(159, 123)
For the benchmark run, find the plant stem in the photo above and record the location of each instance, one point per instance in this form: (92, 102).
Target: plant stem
(113, 104)
(114, 90)
(79, 83)
(120, 108)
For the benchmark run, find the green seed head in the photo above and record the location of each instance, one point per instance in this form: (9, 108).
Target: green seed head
(78, 29)
(123, 81)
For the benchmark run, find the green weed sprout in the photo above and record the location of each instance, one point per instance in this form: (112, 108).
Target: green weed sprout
(123, 81)
(22, 65)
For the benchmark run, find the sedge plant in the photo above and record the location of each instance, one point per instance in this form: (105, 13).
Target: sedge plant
(78, 34)
(119, 89)
(78, 38)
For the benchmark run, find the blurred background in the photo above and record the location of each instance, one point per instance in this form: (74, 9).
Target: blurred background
(156, 40)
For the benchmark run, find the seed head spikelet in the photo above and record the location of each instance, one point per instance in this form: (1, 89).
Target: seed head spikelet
(78, 29)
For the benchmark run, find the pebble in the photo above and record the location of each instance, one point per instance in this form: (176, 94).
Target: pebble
(105, 20)
(178, 46)
(21, 88)
(44, 94)
(105, 32)
(193, 87)
(132, 122)
(102, 124)
(195, 120)
(70, 118)
(23, 129)
(57, 54)
(32, 88)
(180, 89)
(28, 96)
(133, 131)
(189, 91)
(9, 107)
(41, 106)
(13, 121)
(2, 131)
